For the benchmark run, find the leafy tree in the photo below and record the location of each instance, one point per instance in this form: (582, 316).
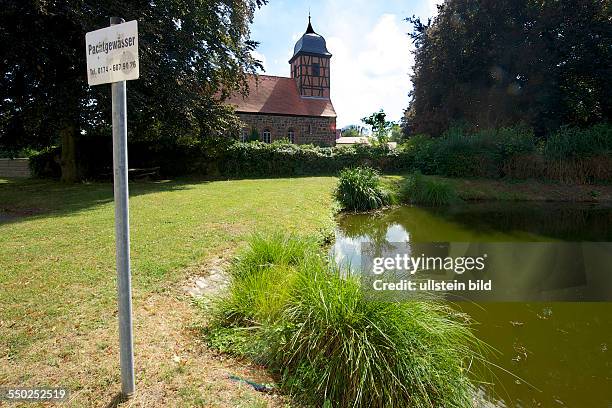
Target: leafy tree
(396, 134)
(492, 63)
(380, 125)
(193, 53)
(352, 131)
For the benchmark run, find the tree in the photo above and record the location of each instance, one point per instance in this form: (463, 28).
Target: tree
(380, 125)
(193, 54)
(492, 63)
(352, 131)
(396, 134)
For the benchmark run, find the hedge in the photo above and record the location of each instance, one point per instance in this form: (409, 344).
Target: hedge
(571, 155)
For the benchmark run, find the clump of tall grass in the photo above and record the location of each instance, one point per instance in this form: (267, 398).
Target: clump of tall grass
(574, 143)
(572, 154)
(418, 189)
(360, 189)
(460, 153)
(330, 346)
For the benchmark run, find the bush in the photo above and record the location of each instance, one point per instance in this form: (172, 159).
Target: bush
(461, 154)
(257, 159)
(571, 155)
(289, 308)
(360, 189)
(420, 190)
(45, 163)
(576, 143)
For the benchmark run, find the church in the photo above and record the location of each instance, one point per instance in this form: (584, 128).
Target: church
(297, 108)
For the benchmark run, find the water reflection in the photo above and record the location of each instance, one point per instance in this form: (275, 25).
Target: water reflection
(559, 354)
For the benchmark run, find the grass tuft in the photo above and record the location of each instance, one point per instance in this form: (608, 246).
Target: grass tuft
(328, 345)
(360, 189)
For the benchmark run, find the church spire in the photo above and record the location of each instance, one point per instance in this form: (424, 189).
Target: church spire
(309, 30)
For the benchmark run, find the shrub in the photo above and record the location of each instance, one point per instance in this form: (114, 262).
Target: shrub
(571, 142)
(330, 346)
(572, 155)
(257, 159)
(461, 154)
(45, 163)
(360, 189)
(421, 190)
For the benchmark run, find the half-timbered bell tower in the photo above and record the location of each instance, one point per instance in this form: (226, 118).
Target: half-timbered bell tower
(310, 65)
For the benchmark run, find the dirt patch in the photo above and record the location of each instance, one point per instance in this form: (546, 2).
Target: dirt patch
(208, 281)
(173, 366)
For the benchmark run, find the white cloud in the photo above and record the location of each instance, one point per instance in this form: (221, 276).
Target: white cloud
(432, 8)
(259, 56)
(369, 41)
(370, 71)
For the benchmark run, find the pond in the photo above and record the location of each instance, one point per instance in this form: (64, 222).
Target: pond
(546, 354)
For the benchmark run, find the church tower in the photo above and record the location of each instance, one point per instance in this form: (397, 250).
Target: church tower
(310, 65)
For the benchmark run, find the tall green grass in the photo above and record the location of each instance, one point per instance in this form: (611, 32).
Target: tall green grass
(573, 155)
(360, 189)
(569, 142)
(289, 308)
(420, 190)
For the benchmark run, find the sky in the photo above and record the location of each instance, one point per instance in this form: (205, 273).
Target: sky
(369, 42)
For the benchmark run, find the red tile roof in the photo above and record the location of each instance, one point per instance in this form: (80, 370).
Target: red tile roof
(279, 95)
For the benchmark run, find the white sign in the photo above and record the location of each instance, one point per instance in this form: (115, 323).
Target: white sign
(112, 54)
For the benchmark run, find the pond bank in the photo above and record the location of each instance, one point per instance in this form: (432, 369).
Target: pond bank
(518, 190)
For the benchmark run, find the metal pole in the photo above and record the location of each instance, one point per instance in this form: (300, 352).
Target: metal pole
(122, 232)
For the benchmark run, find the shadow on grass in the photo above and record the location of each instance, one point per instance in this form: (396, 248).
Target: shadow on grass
(22, 200)
(26, 199)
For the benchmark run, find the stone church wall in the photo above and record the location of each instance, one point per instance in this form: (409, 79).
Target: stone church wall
(320, 131)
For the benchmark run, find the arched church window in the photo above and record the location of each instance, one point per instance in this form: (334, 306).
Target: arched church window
(244, 135)
(291, 136)
(267, 136)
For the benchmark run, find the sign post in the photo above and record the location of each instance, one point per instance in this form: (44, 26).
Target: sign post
(112, 57)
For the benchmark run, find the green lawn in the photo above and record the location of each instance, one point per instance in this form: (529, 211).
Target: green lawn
(57, 260)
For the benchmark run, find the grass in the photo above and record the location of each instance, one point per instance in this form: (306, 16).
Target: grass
(483, 189)
(57, 268)
(360, 189)
(57, 276)
(418, 189)
(289, 308)
(571, 155)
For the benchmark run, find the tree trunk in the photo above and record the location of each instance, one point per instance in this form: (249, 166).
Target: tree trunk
(68, 161)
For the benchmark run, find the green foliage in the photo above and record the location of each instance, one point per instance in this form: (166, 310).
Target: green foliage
(381, 127)
(462, 154)
(259, 159)
(360, 189)
(352, 131)
(396, 134)
(570, 155)
(570, 142)
(419, 189)
(194, 54)
(45, 163)
(493, 64)
(314, 328)
(254, 135)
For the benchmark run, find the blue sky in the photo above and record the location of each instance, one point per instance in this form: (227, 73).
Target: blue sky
(369, 42)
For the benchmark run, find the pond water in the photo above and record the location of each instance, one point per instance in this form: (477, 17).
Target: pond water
(555, 354)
